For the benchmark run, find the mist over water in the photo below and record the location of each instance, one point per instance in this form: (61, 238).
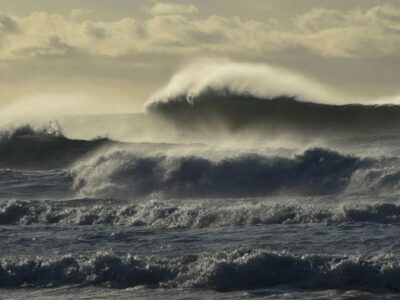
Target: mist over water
(237, 181)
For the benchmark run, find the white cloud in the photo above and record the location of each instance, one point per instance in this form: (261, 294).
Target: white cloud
(79, 13)
(372, 32)
(174, 29)
(320, 19)
(163, 8)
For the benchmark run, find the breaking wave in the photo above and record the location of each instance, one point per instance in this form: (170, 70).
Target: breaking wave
(131, 174)
(227, 112)
(122, 174)
(241, 269)
(258, 80)
(232, 97)
(43, 148)
(158, 214)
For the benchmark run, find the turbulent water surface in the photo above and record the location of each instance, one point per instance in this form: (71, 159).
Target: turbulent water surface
(261, 198)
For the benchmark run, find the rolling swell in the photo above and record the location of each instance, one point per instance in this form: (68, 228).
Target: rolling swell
(157, 214)
(240, 269)
(232, 112)
(44, 148)
(122, 174)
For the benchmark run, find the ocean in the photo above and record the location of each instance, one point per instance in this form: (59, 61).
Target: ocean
(219, 195)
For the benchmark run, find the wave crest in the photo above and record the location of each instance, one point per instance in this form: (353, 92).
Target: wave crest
(258, 80)
(123, 174)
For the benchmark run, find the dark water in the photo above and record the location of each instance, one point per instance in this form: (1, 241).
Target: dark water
(102, 219)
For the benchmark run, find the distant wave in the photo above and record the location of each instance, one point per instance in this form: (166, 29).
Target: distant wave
(213, 112)
(158, 214)
(240, 269)
(45, 148)
(218, 97)
(122, 174)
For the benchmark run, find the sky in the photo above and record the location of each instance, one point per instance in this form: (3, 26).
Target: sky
(101, 56)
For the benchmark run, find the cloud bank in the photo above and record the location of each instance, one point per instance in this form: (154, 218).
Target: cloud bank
(163, 8)
(181, 29)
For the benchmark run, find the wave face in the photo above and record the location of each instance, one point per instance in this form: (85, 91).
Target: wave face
(122, 174)
(158, 214)
(212, 99)
(43, 148)
(224, 112)
(240, 269)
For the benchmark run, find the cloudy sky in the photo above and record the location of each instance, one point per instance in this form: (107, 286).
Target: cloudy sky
(117, 53)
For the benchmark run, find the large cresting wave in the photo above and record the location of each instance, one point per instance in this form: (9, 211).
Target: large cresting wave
(124, 174)
(212, 98)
